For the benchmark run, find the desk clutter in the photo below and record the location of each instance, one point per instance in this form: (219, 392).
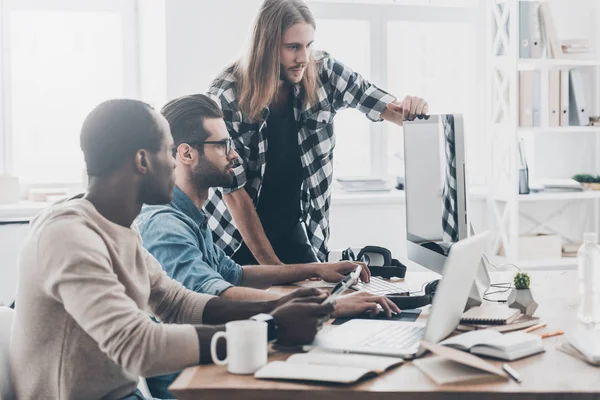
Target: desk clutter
(449, 365)
(320, 366)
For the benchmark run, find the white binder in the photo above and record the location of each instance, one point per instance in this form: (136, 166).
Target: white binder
(578, 110)
(554, 97)
(524, 35)
(536, 108)
(535, 30)
(564, 97)
(526, 99)
(549, 31)
(530, 30)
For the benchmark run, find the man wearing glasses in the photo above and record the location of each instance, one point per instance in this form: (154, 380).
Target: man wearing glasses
(178, 236)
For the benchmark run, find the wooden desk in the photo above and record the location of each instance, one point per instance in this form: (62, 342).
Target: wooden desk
(550, 375)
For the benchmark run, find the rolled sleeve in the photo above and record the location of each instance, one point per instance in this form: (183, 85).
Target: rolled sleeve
(184, 256)
(215, 286)
(232, 271)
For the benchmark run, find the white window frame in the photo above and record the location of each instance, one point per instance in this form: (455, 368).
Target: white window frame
(128, 9)
(379, 15)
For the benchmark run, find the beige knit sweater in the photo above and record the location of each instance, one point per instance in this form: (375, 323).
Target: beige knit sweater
(85, 289)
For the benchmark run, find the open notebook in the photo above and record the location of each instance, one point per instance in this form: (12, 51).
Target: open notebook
(508, 346)
(321, 366)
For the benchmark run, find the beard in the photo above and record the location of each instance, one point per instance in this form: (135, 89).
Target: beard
(208, 175)
(286, 75)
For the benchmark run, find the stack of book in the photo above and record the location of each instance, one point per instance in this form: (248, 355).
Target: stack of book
(575, 46)
(570, 249)
(364, 184)
(556, 185)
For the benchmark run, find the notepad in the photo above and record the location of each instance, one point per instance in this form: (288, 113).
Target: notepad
(493, 315)
(491, 343)
(320, 366)
(569, 349)
(522, 322)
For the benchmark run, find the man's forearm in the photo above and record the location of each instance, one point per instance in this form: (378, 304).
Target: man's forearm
(241, 208)
(261, 276)
(219, 311)
(237, 293)
(391, 116)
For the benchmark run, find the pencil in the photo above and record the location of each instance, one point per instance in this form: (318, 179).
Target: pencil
(547, 335)
(534, 328)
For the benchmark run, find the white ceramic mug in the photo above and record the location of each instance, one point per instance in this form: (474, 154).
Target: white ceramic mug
(246, 346)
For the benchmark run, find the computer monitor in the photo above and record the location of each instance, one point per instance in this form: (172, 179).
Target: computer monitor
(436, 193)
(435, 187)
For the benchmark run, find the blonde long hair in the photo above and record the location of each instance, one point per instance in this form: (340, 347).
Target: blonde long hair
(258, 72)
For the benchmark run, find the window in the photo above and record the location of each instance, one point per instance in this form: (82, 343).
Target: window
(426, 48)
(353, 146)
(442, 69)
(62, 58)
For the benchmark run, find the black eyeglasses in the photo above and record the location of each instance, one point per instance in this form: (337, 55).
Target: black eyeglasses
(225, 143)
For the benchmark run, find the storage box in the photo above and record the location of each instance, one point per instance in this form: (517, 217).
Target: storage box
(538, 247)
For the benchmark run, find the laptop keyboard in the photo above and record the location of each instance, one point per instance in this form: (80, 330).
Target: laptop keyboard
(401, 336)
(379, 286)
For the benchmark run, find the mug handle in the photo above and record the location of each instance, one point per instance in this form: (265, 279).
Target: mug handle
(213, 348)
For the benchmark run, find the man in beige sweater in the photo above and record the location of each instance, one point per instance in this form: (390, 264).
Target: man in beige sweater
(86, 284)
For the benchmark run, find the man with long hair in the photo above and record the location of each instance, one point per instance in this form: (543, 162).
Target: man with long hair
(279, 103)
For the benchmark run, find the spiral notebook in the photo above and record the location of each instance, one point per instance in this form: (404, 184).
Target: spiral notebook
(492, 315)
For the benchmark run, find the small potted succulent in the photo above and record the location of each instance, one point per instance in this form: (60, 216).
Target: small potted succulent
(588, 181)
(520, 297)
(595, 185)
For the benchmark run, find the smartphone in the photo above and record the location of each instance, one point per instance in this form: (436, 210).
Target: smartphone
(349, 280)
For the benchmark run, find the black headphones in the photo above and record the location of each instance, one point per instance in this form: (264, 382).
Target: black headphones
(379, 260)
(408, 302)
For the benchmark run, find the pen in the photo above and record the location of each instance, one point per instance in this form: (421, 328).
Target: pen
(513, 374)
(547, 335)
(534, 328)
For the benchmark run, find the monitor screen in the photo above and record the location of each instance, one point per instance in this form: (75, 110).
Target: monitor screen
(434, 184)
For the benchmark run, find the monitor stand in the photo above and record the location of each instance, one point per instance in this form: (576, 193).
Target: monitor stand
(481, 283)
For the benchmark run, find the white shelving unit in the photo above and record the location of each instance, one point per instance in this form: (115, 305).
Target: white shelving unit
(504, 132)
(561, 129)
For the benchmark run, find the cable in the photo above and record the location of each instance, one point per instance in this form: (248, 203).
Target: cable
(487, 260)
(505, 286)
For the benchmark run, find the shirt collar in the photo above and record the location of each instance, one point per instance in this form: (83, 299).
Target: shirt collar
(183, 203)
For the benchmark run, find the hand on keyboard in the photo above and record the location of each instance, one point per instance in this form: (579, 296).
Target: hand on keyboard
(362, 302)
(379, 286)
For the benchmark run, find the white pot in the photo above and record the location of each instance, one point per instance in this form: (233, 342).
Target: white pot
(522, 299)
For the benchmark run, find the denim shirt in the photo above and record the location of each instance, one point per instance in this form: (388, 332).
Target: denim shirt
(177, 235)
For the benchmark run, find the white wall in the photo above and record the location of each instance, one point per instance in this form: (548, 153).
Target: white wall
(203, 37)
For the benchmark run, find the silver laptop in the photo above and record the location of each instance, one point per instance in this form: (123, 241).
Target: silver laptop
(402, 339)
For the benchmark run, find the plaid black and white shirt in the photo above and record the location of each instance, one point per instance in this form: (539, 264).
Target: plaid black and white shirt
(339, 88)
